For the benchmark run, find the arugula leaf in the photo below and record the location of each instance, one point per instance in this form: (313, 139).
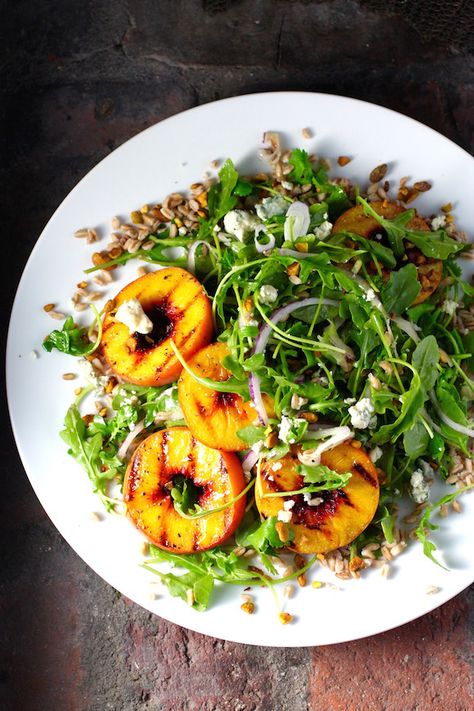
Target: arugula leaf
(416, 440)
(326, 477)
(375, 248)
(251, 434)
(304, 173)
(85, 449)
(436, 245)
(185, 494)
(243, 188)
(72, 339)
(412, 400)
(302, 168)
(426, 525)
(220, 198)
(402, 289)
(263, 536)
(425, 359)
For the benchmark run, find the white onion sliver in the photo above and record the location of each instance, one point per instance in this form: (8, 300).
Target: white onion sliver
(297, 221)
(192, 254)
(313, 456)
(129, 439)
(322, 431)
(263, 247)
(261, 344)
(447, 420)
(407, 328)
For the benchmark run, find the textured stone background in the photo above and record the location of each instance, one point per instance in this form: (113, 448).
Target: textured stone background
(76, 80)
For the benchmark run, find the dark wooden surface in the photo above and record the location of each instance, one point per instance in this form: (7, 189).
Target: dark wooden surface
(77, 79)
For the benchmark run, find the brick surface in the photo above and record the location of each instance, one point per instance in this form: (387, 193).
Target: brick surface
(76, 80)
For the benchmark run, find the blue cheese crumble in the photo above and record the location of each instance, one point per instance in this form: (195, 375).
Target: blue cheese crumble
(240, 224)
(362, 414)
(131, 314)
(271, 206)
(420, 490)
(268, 294)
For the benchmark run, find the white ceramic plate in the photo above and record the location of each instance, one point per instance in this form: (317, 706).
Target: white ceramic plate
(167, 157)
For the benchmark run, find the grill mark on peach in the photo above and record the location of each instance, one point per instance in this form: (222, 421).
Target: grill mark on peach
(314, 517)
(360, 469)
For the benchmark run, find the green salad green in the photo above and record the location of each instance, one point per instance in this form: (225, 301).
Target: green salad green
(323, 322)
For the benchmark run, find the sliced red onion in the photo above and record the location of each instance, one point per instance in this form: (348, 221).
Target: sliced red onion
(447, 420)
(407, 328)
(268, 245)
(311, 457)
(192, 254)
(297, 221)
(250, 460)
(261, 344)
(129, 439)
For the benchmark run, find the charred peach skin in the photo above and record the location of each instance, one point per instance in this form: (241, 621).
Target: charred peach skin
(213, 417)
(430, 271)
(149, 477)
(179, 309)
(343, 513)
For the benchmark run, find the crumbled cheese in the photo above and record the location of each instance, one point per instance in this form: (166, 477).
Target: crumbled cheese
(271, 206)
(349, 400)
(362, 414)
(298, 402)
(240, 223)
(420, 490)
(286, 185)
(245, 318)
(131, 314)
(295, 279)
(324, 230)
(315, 501)
(276, 467)
(288, 505)
(370, 295)
(449, 307)
(88, 373)
(438, 222)
(284, 516)
(285, 427)
(268, 294)
(182, 230)
(375, 454)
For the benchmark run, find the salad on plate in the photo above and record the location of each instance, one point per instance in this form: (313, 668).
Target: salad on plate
(291, 367)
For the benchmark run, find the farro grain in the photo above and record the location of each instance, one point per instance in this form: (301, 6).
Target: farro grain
(57, 315)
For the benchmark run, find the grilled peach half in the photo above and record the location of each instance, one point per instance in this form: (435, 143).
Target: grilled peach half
(213, 417)
(217, 476)
(430, 271)
(341, 515)
(179, 309)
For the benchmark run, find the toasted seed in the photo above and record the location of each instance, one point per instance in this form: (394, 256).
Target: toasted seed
(285, 618)
(248, 607)
(136, 217)
(69, 376)
(299, 561)
(456, 506)
(57, 315)
(432, 590)
(308, 416)
(384, 570)
(144, 548)
(356, 563)
(78, 391)
(316, 584)
(443, 510)
(343, 160)
(48, 307)
(109, 306)
(94, 516)
(302, 580)
(271, 439)
(378, 173)
(293, 269)
(80, 234)
(422, 186)
(447, 208)
(282, 530)
(306, 133)
(289, 591)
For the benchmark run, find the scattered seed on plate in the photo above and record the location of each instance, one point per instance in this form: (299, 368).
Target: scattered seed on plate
(432, 590)
(144, 548)
(94, 516)
(190, 598)
(285, 618)
(34, 355)
(343, 160)
(378, 173)
(306, 133)
(248, 607)
(57, 315)
(69, 376)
